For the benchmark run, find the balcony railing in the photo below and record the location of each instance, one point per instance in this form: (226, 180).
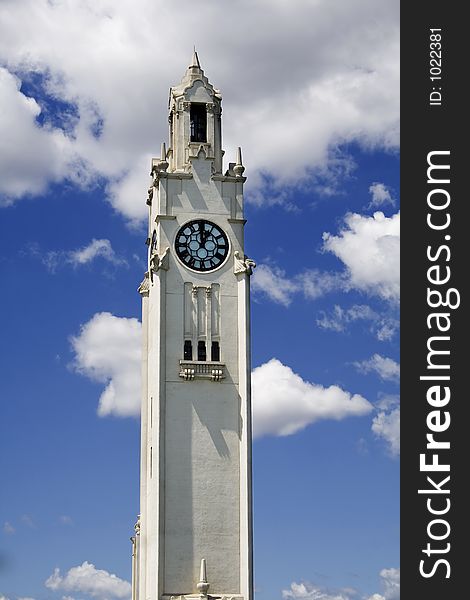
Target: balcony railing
(192, 369)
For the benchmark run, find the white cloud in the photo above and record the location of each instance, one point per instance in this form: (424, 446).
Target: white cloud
(387, 401)
(307, 591)
(274, 283)
(287, 110)
(391, 583)
(55, 259)
(108, 350)
(65, 520)
(283, 403)
(86, 579)
(386, 368)
(382, 326)
(390, 579)
(339, 317)
(386, 425)
(314, 283)
(30, 156)
(8, 528)
(96, 248)
(380, 195)
(387, 328)
(370, 249)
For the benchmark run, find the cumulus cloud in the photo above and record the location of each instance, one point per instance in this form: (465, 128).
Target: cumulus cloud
(53, 260)
(380, 195)
(369, 247)
(384, 327)
(87, 119)
(283, 403)
(87, 579)
(386, 426)
(391, 584)
(107, 350)
(273, 282)
(30, 156)
(307, 591)
(96, 248)
(386, 368)
(390, 579)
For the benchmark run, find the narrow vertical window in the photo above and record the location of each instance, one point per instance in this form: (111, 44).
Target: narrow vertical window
(201, 351)
(188, 350)
(198, 122)
(151, 462)
(215, 352)
(151, 411)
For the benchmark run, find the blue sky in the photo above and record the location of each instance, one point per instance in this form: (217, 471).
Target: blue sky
(311, 93)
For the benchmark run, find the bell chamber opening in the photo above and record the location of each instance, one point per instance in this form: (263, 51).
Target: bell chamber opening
(198, 122)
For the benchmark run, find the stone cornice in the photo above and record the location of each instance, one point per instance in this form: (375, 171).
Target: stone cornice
(159, 218)
(236, 221)
(232, 178)
(175, 175)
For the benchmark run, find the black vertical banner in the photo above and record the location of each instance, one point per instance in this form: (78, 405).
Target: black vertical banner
(434, 325)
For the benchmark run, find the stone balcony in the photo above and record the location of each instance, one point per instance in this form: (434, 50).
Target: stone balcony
(192, 369)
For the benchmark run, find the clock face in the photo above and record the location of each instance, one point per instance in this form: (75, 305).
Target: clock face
(201, 245)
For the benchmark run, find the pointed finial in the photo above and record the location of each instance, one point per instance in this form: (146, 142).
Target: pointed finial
(195, 60)
(238, 169)
(160, 164)
(163, 164)
(203, 586)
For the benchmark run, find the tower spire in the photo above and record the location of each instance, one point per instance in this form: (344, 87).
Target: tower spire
(195, 60)
(195, 123)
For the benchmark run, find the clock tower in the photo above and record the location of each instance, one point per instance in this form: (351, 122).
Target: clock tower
(194, 534)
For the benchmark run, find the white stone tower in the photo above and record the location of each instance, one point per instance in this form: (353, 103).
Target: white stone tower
(194, 535)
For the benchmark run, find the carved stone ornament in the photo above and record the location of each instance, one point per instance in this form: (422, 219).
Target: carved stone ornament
(159, 165)
(137, 526)
(243, 265)
(158, 262)
(150, 195)
(191, 370)
(209, 596)
(144, 287)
